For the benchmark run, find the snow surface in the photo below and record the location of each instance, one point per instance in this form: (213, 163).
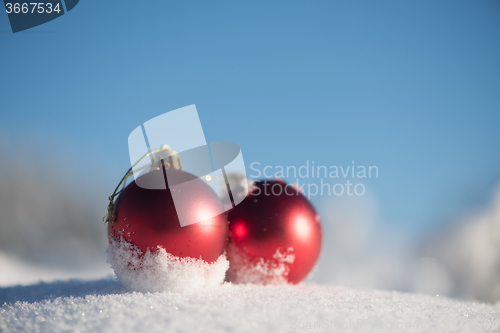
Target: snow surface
(105, 306)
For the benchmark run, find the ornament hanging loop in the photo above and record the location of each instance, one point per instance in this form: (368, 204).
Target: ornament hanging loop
(170, 160)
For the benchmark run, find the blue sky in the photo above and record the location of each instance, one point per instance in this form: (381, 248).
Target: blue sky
(410, 86)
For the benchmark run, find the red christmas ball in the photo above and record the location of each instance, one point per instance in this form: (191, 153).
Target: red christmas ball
(148, 218)
(274, 235)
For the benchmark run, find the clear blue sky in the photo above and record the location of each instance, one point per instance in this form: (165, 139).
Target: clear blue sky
(410, 86)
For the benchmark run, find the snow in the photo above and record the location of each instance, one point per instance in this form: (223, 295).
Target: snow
(16, 271)
(105, 306)
(244, 269)
(161, 271)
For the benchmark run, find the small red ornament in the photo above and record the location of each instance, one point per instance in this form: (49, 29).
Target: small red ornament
(275, 235)
(148, 218)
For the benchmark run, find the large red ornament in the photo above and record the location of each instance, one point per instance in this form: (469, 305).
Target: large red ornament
(148, 218)
(275, 235)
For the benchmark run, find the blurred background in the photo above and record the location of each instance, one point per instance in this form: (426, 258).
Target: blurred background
(412, 87)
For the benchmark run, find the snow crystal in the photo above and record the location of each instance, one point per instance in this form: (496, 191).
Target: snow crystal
(162, 271)
(245, 269)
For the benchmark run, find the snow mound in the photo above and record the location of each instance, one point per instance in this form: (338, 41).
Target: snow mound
(162, 271)
(16, 271)
(245, 269)
(105, 306)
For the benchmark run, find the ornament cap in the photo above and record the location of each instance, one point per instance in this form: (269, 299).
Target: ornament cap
(170, 158)
(162, 156)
